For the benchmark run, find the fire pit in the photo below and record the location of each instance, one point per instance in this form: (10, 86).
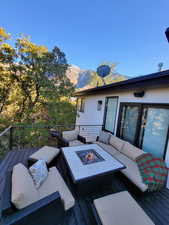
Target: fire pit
(89, 156)
(90, 165)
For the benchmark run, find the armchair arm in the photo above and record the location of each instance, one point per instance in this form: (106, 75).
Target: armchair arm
(82, 139)
(48, 210)
(63, 142)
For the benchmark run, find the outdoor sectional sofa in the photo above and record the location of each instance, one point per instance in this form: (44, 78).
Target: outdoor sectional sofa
(46, 205)
(126, 153)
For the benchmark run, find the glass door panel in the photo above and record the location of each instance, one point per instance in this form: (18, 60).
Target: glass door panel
(110, 117)
(129, 120)
(154, 129)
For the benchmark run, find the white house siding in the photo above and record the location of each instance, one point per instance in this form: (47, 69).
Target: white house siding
(93, 117)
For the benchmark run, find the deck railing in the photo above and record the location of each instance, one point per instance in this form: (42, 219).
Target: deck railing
(29, 136)
(5, 141)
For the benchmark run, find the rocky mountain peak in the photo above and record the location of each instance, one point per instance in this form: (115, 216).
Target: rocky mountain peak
(84, 79)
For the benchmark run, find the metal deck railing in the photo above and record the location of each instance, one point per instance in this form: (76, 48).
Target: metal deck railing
(29, 136)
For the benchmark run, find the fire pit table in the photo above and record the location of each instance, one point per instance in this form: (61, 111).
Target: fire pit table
(90, 166)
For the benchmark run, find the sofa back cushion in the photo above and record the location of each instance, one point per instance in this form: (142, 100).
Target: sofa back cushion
(104, 137)
(70, 135)
(24, 192)
(131, 151)
(116, 142)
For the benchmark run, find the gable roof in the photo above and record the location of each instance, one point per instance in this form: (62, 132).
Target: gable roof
(158, 79)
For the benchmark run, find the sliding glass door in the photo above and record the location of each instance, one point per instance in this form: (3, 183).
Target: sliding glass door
(146, 126)
(154, 130)
(128, 122)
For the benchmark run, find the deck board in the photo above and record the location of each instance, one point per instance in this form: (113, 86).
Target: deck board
(156, 204)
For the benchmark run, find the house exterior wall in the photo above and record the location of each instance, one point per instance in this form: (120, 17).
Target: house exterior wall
(93, 117)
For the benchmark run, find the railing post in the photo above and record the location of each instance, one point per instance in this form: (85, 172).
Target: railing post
(11, 138)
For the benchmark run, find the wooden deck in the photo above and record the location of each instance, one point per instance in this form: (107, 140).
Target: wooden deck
(156, 204)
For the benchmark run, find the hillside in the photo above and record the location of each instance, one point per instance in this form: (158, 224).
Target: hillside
(84, 79)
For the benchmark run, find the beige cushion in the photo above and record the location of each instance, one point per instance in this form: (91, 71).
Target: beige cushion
(46, 153)
(121, 209)
(104, 137)
(70, 135)
(75, 143)
(116, 142)
(132, 171)
(131, 151)
(24, 192)
(108, 148)
(53, 183)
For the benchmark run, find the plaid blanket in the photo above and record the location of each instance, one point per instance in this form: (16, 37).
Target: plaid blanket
(153, 171)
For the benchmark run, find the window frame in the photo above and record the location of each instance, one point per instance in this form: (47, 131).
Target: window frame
(105, 113)
(81, 105)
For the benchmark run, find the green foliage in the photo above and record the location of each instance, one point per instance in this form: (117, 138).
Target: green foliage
(3, 35)
(33, 85)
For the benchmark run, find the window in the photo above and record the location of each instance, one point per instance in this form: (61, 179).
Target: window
(128, 122)
(110, 113)
(99, 105)
(80, 104)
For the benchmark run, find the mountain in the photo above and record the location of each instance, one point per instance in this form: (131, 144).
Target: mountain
(84, 79)
(73, 73)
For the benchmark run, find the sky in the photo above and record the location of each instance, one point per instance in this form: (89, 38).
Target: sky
(127, 32)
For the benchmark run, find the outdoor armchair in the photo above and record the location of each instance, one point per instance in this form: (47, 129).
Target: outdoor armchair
(48, 210)
(71, 138)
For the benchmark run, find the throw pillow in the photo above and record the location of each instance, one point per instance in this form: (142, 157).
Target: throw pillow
(104, 137)
(39, 172)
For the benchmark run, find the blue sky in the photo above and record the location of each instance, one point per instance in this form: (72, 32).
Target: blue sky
(128, 32)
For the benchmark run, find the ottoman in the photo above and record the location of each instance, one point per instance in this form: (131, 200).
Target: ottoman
(46, 153)
(120, 209)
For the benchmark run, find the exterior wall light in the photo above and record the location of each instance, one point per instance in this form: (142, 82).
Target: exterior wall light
(139, 94)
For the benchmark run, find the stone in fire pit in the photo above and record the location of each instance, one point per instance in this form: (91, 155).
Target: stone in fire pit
(89, 156)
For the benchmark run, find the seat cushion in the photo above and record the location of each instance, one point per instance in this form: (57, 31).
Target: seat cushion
(53, 183)
(108, 148)
(131, 151)
(121, 209)
(46, 153)
(39, 172)
(75, 143)
(70, 135)
(24, 192)
(132, 171)
(116, 142)
(104, 137)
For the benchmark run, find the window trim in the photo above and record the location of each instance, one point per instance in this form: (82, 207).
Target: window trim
(105, 113)
(81, 105)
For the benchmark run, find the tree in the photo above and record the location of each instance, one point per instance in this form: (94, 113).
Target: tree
(32, 79)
